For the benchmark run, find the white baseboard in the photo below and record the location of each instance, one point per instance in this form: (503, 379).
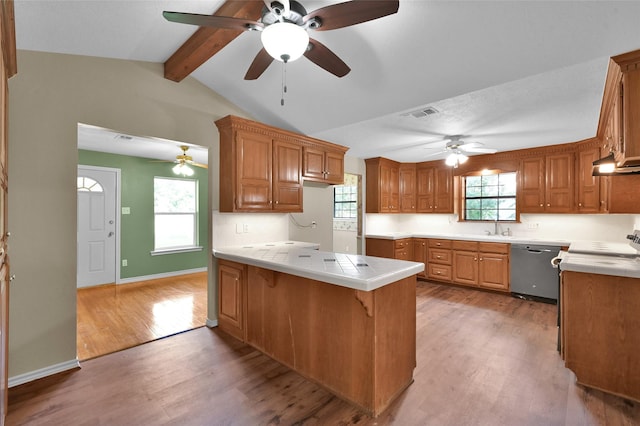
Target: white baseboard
(211, 323)
(43, 372)
(162, 275)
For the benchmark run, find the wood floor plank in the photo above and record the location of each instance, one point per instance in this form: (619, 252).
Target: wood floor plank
(482, 359)
(115, 317)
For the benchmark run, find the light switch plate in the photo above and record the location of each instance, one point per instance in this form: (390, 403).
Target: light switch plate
(126, 210)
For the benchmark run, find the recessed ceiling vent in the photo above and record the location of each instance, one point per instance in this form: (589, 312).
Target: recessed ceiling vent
(423, 112)
(124, 137)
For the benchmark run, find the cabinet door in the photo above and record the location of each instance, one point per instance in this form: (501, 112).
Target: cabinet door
(443, 202)
(314, 163)
(254, 160)
(407, 179)
(631, 116)
(230, 298)
(588, 186)
(424, 190)
(394, 189)
(287, 176)
(334, 167)
(559, 183)
(493, 271)
(465, 267)
(420, 254)
(531, 181)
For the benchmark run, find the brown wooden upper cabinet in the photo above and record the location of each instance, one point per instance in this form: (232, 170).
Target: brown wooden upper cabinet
(322, 165)
(434, 188)
(629, 114)
(383, 185)
(546, 184)
(394, 187)
(407, 177)
(261, 167)
(588, 191)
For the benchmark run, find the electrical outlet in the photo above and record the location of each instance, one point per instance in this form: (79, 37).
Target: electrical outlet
(533, 225)
(245, 228)
(314, 224)
(124, 262)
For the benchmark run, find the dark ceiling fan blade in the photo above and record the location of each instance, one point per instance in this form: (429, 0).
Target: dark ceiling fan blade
(224, 22)
(352, 12)
(260, 63)
(320, 55)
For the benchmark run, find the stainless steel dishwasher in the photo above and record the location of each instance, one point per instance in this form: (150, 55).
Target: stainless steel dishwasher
(532, 274)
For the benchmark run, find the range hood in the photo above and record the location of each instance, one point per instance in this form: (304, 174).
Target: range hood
(608, 166)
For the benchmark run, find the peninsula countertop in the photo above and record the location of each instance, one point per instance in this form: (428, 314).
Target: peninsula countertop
(358, 272)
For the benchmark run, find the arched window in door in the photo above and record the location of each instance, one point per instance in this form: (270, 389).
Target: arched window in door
(87, 184)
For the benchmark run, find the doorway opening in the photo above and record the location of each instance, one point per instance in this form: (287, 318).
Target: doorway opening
(138, 278)
(347, 215)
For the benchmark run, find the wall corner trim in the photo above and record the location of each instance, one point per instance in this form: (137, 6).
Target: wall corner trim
(212, 323)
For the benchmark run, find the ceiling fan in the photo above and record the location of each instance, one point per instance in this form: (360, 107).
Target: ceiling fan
(284, 29)
(456, 147)
(183, 161)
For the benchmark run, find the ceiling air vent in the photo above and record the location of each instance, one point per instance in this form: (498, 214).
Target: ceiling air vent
(423, 112)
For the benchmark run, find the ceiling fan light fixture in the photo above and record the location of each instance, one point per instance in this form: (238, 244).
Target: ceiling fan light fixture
(285, 41)
(182, 169)
(455, 159)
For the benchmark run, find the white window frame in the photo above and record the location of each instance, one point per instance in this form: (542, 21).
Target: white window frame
(176, 249)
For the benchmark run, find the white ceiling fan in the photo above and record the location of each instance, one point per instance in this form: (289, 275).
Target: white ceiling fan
(457, 148)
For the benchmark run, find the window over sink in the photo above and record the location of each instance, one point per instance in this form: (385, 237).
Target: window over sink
(490, 197)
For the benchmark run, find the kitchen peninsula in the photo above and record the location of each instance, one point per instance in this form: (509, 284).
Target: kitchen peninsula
(347, 322)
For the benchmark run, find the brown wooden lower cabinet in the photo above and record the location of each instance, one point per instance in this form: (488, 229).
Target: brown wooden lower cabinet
(360, 345)
(600, 329)
(471, 263)
(230, 297)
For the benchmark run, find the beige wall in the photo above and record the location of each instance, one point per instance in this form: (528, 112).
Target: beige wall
(49, 96)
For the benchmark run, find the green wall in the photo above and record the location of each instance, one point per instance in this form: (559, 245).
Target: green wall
(136, 229)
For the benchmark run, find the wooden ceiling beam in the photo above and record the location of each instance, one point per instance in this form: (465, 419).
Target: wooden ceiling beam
(206, 41)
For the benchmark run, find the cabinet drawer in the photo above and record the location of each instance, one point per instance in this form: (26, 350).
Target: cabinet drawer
(464, 245)
(440, 243)
(500, 248)
(402, 254)
(401, 244)
(440, 256)
(439, 272)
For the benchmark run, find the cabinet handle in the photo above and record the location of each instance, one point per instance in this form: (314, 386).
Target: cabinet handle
(480, 259)
(475, 258)
(277, 202)
(548, 205)
(541, 205)
(579, 204)
(438, 257)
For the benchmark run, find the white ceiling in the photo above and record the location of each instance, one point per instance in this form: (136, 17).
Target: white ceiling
(508, 74)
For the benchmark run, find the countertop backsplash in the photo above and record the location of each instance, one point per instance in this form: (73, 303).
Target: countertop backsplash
(603, 227)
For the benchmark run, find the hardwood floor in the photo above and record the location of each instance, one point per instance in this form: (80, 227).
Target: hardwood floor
(483, 359)
(115, 317)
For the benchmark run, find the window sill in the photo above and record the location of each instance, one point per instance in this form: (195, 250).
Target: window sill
(176, 250)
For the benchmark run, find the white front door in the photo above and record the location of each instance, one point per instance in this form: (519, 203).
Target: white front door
(96, 226)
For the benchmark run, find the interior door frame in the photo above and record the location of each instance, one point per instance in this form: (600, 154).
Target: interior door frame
(118, 173)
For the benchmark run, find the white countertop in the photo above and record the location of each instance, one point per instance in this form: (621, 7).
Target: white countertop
(347, 270)
(621, 266)
(472, 237)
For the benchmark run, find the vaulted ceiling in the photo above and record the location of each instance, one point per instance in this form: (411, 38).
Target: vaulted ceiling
(509, 75)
